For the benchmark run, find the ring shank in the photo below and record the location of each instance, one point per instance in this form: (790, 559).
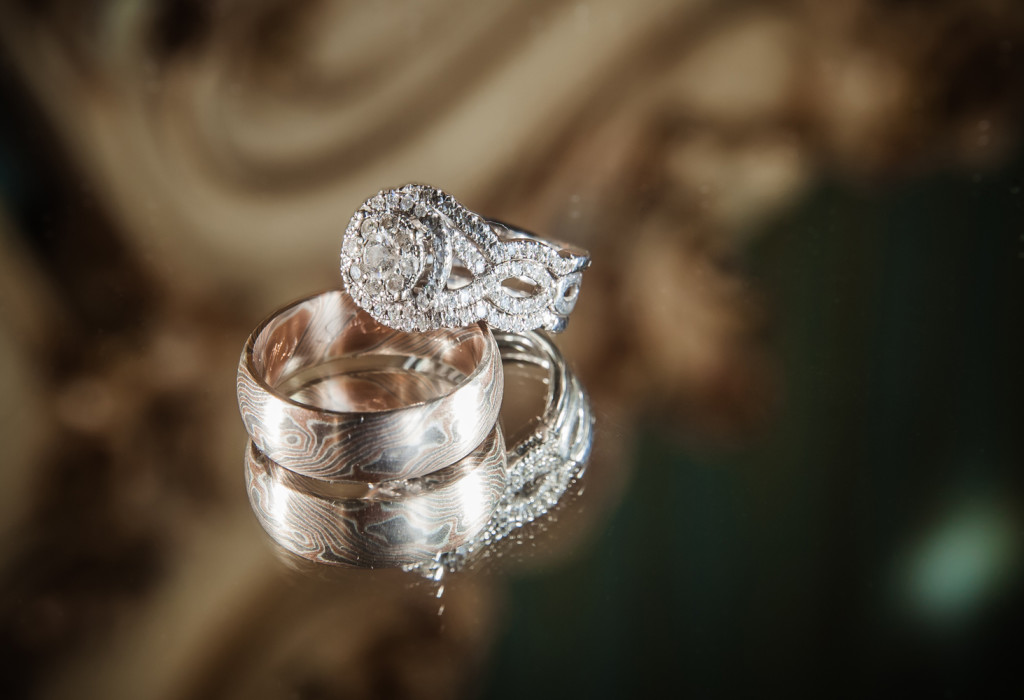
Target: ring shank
(507, 232)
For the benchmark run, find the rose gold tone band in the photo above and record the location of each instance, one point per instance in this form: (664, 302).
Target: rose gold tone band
(412, 403)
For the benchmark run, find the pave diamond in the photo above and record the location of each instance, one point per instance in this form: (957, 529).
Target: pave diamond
(405, 240)
(352, 246)
(377, 258)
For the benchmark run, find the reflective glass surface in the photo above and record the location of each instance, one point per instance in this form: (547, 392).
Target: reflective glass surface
(799, 342)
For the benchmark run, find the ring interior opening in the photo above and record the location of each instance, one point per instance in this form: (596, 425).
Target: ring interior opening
(459, 277)
(527, 389)
(521, 287)
(326, 353)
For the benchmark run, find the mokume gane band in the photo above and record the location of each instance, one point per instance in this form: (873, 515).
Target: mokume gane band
(396, 523)
(396, 442)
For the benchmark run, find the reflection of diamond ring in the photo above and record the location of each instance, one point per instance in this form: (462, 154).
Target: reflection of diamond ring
(416, 259)
(326, 391)
(546, 459)
(391, 524)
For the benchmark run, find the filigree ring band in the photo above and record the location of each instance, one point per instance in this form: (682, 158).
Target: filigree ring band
(416, 259)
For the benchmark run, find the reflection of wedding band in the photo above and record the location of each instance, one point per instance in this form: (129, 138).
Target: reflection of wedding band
(541, 466)
(364, 435)
(390, 524)
(414, 258)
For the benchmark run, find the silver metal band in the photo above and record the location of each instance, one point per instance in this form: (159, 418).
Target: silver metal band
(392, 524)
(383, 422)
(416, 259)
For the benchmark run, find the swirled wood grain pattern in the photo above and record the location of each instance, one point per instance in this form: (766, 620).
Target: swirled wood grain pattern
(366, 445)
(406, 523)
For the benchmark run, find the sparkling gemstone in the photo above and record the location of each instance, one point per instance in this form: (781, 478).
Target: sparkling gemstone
(388, 221)
(374, 286)
(419, 209)
(406, 203)
(352, 246)
(394, 283)
(407, 266)
(368, 226)
(354, 272)
(378, 258)
(405, 239)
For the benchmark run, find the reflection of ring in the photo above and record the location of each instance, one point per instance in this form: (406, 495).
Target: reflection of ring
(543, 464)
(365, 428)
(414, 258)
(391, 524)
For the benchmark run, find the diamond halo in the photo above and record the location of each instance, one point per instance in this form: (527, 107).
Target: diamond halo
(416, 259)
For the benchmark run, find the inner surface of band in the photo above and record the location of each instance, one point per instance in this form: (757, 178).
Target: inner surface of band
(533, 385)
(366, 383)
(527, 395)
(304, 353)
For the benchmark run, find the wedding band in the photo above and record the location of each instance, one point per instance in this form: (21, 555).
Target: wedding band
(416, 259)
(391, 524)
(410, 404)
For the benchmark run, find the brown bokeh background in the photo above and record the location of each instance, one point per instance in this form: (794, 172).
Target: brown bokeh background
(801, 331)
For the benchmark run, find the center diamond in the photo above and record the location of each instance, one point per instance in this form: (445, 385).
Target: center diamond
(377, 258)
(387, 248)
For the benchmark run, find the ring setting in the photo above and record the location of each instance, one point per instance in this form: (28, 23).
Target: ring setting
(416, 259)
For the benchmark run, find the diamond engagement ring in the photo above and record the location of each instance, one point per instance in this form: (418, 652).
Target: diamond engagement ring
(416, 259)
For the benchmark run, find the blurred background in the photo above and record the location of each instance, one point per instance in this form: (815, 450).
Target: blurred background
(802, 334)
